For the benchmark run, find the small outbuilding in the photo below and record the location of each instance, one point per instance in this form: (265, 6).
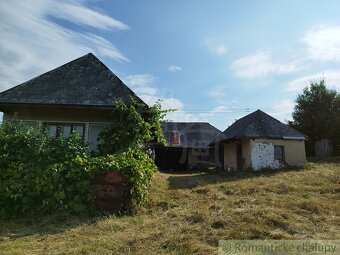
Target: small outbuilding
(259, 141)
(188, 146)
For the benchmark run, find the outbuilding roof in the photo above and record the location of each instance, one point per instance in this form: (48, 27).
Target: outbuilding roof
(85, 81)
(261, 125)
(192, 134)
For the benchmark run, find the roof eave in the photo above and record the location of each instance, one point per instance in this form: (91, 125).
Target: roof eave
(230, 140)
(14, 104)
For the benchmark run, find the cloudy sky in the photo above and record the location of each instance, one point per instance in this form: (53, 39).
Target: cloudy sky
(214, 61)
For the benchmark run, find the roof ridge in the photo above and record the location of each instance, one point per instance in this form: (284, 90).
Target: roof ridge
(247, 116)
(250, 121)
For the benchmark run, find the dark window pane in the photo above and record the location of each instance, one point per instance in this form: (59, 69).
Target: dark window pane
(52, 129)
(278, 152)
(79, 129)
(66, 131)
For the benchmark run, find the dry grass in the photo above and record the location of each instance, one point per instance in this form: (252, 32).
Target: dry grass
(189, 213)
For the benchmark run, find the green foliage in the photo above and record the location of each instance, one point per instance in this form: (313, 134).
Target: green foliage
(43, 174)
(139, 168)
(38, 172)
(132, 127)
(317, 113)
(136, 166)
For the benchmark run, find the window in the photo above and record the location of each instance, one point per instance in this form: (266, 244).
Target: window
(279, 152)
(94, 130)
(64, 129)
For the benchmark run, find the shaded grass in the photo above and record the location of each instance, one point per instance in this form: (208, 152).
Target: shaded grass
(189, 213)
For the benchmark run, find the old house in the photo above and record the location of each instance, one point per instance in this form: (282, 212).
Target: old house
(259, 141)
(188, 146)
(77, 96)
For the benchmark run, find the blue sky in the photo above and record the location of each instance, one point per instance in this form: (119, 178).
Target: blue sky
(214, 61)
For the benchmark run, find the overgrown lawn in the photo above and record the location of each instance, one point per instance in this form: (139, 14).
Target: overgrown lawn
(189, 213)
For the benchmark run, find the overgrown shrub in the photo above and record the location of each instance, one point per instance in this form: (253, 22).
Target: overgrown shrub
(134, 164)
(132, 127)
(38, 172)
(44, 174)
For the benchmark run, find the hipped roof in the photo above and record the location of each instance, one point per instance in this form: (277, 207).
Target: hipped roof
(261, 125)
(85, 81)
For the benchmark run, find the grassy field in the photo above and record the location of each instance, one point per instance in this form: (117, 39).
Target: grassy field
(189, 213)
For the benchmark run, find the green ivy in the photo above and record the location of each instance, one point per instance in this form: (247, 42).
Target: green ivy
(132, 126)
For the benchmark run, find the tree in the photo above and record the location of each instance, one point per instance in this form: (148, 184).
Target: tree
(317, 114)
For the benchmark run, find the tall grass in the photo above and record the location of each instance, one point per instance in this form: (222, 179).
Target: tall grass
(189, 213)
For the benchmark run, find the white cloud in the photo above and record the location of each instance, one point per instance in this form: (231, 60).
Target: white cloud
(215, 116)
(142, 85)
(77, 13)
(145, 90)
(218, 92)
(282, 110)
(332, 79)
(139, 79)
(323, 43)
(220, 109)
(184, 116)
(261, 65)
(216, 47)
(32, 43)
(173, 68)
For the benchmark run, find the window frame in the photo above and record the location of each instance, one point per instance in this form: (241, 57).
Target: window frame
(61, 124)
(282, 153)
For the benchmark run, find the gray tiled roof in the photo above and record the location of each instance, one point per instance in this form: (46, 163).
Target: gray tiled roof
(85, 81)
(261, 125)
(192, 134)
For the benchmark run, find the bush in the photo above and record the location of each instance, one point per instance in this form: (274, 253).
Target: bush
(136, 166)
(38, 173)
(44, 174)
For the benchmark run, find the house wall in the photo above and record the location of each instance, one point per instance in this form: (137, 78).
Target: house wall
(230, 155)
(262, 156)
(259, 153)
(93, 119)
(58, 114)
(262, 153)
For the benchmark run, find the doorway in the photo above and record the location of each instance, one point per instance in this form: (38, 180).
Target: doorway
(239, 159)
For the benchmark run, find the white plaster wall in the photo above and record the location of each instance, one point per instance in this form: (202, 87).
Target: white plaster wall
(262, 156)
(295, 155)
